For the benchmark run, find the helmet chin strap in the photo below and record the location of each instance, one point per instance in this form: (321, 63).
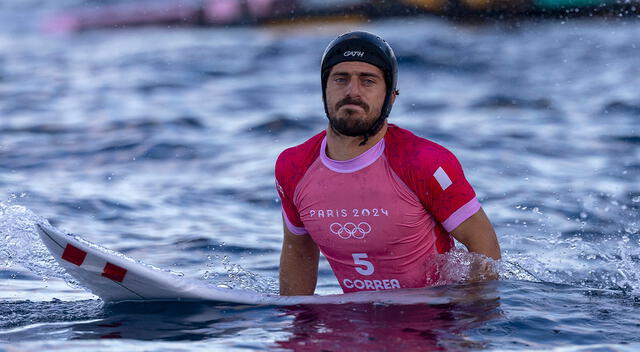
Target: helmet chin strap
(377, 125)
(373, 130)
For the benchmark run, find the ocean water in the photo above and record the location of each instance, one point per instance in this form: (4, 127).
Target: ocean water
(160, 143)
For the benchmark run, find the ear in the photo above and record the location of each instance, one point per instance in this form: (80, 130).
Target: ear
(394, 94)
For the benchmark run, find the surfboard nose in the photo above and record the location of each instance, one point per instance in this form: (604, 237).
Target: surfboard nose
(52, 239)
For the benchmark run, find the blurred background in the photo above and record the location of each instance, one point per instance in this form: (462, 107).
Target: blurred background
(152, 128)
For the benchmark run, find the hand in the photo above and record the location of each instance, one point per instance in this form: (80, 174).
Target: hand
(482, 269)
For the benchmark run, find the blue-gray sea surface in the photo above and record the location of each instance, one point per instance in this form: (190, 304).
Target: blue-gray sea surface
(160, 143)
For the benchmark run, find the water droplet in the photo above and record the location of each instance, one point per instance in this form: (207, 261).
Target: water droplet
(632, 229)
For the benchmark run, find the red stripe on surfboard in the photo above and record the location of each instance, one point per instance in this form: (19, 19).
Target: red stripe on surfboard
(74, 255)
(114, 272)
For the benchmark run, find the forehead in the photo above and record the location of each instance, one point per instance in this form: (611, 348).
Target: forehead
(357, 67)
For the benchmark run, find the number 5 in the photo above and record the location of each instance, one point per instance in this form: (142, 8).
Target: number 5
(357, 259)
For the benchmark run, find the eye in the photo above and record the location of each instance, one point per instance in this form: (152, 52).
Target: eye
(369, 82)
(340, 80)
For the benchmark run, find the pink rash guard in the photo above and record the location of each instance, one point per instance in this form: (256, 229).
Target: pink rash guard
(378, 218)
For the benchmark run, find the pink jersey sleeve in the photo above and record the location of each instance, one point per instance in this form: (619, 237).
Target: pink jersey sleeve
(435, 175)
(291, 166)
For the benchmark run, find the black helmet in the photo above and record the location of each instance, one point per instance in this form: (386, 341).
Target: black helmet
(365, 47)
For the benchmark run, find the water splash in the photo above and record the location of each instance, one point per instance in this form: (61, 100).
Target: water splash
(584, 256)
(21, 243)
(212, 273)
(235, 276)
(612, 263)
(459, 266)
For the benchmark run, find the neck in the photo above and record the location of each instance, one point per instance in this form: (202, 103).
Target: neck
(341, 147)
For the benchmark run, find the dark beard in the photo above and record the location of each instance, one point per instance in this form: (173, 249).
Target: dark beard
(352, 127)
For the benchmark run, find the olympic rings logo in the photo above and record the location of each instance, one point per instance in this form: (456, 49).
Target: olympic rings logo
(350, 229)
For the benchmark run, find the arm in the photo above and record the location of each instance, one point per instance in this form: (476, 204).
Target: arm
(478, 235)
(298, 264)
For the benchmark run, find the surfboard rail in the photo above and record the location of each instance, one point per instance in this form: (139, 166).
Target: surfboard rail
(115, 277)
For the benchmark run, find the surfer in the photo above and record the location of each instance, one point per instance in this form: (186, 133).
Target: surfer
(379, 202)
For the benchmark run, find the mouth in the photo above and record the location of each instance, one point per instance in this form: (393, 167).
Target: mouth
(353, 107)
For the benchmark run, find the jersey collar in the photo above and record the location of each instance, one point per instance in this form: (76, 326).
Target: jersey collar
(352, 165)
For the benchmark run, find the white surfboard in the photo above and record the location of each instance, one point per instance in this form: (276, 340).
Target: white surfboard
(114, 277)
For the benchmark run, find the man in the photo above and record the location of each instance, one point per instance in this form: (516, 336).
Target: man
(378, 201)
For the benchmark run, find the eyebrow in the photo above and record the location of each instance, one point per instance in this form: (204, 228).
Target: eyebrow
(361, 74)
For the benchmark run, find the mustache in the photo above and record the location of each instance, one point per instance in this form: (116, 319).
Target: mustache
(349, 100)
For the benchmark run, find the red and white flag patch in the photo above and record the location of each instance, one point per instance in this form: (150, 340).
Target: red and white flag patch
(442, 178)
(114, 272)
(74, 255)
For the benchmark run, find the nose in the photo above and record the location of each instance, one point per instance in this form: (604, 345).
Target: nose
(353, 88)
